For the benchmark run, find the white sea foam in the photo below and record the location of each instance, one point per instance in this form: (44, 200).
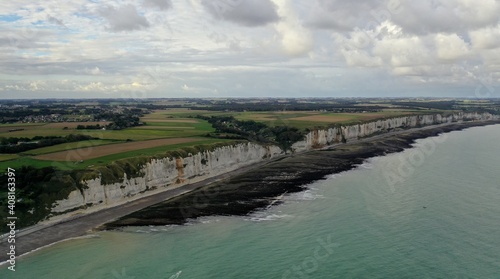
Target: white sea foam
(204, 220)
(307, 195)
(366, 165)
(175, 276)
(336, 175)
(264, 216)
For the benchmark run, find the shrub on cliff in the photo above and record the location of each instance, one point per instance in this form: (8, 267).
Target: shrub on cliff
(286, 136)
(36, 192)
(283, 136)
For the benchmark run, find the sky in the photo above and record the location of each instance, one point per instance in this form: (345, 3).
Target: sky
(249, 48)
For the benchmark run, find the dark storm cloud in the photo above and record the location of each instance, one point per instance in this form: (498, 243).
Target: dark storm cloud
(248, 13)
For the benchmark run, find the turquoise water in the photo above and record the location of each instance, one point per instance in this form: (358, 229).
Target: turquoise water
(432, 211)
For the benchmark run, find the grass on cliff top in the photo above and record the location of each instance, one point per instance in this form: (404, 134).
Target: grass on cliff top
(157, 126)
(119, 148)
(298, 119)
(152, 152)
(69, 146)
(311, 119)
(20, 161)
(69, 165)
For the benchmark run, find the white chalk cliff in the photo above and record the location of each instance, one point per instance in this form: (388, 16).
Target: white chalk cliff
(162, 174)
(321, 138)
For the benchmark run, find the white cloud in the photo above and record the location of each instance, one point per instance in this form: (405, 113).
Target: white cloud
(429, 16)
(478, 13)
(450, 47)
(295, 39)
(401, 52)
(95, 71)
(360, 58)
(485, 38)
(266, 47)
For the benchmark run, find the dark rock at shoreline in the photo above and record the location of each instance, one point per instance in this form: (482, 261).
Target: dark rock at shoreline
(257, 189)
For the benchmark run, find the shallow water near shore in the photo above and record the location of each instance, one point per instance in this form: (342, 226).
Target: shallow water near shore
(432, 211)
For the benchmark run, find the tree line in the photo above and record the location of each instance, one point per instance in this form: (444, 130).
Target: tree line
(283, 136)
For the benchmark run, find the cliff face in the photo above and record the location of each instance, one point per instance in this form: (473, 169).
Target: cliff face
(321, 138)
(160, 174)
(165, 173)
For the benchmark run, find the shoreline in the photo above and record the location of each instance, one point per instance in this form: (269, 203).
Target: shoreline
(372, 146)
(257, 189)
(40, 236)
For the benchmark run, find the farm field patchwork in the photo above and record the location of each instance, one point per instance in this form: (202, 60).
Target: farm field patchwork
(190, 129)
(298, 119)
(92, 152)
(159, 134)
(68, 146)
(75, 160)
(163, 130)
(153, 151)
(308, 119)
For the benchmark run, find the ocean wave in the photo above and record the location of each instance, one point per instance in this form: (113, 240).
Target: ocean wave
(366, 165)
(263, 216)
(307, 195)
(175, 276)
(203, 220)
(336, 175)
(208, 221)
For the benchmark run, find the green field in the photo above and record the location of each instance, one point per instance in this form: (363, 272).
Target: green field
(24, 161)
(154, 130)
(157, 126)
(309, 120)
(68, 146)
(6, 157)
(289, 118)
(155, 151)
(130, 133)
(23, 125)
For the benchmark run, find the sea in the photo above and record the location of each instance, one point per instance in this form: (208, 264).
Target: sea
(431, 211)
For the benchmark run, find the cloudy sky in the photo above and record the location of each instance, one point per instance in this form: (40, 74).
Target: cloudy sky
(249, 48)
